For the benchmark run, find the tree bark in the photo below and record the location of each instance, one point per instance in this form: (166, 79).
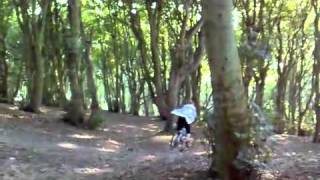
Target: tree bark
(3, 70)
(231, 121)
(5, 13)
(75, 114)
(33, 31)
(90, 74)
(316, 71)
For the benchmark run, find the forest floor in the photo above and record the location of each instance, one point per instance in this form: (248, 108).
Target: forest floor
(126, 147)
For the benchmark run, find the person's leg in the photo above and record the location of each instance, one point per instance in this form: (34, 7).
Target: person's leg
(188, 128)
(180, 123)
(186, 125)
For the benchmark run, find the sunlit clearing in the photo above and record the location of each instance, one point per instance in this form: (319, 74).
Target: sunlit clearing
(200, 153)
(106, 150)
(82, 136)
(93, 170)
(68, 145)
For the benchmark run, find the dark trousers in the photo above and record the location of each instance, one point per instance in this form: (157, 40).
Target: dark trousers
(182, 123)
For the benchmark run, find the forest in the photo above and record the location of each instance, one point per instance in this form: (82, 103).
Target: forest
(88, 89)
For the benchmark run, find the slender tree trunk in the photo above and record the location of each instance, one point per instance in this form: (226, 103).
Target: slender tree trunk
(260, 85)
(90, 75)
(188, 88)
(196, 88)
(280, 106)
(292, 100)
(145, 103)
(230, 121)
(75, 114)
(37, 77)
(123, 92)
(316, 71)
(280, 122)
(5, 13)
(3, 70)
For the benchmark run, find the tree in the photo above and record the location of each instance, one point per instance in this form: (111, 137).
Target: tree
(75, 114)
(4, 25)
(33, 27)
(90, 71)
(230, 120)
(316, 70)
(185, 58)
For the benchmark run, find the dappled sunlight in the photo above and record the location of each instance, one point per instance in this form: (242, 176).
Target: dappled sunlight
(5, 116)
(114, 142)
(110, 146)
(127, 126)
(148, 129)
(200, 153)
(67, 145)
(109, 150)
(117, 131)
(45, 110)
(82, 136)
(148, 157)
(153, 126)
(13, 108)
(162, 138)
(94, 170)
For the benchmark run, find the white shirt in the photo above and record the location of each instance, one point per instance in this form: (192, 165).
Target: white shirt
(188, 111)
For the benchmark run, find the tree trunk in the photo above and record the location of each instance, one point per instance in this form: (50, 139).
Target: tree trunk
(3, 70)
(280, 106)
(316, 71)
(260, 83)
(32, 27)
(123, 92)
(231, 121)
(196, 88)
(90, 75)
(37, 77)
(281, 85)
(5, 13)
(292, 106)
(75, 114)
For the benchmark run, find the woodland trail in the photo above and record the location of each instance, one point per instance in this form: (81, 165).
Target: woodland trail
(42, 147)
(36, 147)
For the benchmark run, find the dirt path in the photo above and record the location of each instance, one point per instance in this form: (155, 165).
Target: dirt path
(36, 147)
(294, 158)
(41, 147)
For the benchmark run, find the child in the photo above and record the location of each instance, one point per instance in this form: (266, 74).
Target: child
(186, 115)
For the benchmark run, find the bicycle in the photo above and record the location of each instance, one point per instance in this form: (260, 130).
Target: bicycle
(180, 140)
